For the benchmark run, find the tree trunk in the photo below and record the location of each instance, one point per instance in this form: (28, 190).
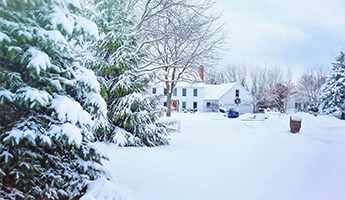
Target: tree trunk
(168, 114)
(169, 95)
(343, 115)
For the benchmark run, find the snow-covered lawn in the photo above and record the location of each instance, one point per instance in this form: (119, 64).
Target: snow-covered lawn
(214, 157)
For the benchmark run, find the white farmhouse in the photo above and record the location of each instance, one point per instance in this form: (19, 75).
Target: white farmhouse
(208, 98)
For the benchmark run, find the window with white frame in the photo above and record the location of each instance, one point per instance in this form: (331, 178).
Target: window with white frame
(195, 92)
(175, 92)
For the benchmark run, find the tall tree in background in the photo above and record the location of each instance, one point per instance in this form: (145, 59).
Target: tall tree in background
(179, 37)
(230, 74)
(309, 87)
(278, 96)
(49, 103)
(333, 91)
(134, 118)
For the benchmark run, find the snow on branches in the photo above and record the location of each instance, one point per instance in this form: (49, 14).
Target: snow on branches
(50, 103)
(333, 91)
(278, 95)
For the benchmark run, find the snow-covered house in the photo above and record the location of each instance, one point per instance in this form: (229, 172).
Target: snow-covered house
(297, 102)
(208, 98)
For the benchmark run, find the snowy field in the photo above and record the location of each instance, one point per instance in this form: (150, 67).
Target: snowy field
(214, 157)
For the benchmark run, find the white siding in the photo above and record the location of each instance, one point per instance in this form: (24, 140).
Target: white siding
(189, 98)
(228, 99)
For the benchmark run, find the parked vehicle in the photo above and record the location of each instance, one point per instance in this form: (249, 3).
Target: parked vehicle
(223, 110)
(260, 110)
(233, 113)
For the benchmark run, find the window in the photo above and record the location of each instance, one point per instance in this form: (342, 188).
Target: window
(237, 93)
(154, 90)
(208, 104)
(165, 91)
(184, 105)
(175, 92)
(184, 92)
(195, 92)
(195, 104)
(165, 104)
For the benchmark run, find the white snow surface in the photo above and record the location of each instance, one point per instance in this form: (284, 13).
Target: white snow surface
(103, 188)
(214, 92)
(6, 94)
(34, 96)
(57, 37)
(58, 17)
(296, 118)
(88, 77)
(39, 60)
(4, 2)
(3, 37)
(214, 157)
(98, 100)
(72, 132)
(88, 26)
(69, 110)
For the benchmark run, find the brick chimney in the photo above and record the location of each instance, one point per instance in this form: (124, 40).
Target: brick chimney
(201, 73)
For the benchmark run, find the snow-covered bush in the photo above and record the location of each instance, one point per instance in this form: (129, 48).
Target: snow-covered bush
(134, 118)
(49, 103)
(333, 91)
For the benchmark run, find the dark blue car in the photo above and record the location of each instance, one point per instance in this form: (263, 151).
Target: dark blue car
(233, 113)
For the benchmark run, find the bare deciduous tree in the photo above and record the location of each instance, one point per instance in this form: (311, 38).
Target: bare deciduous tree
(278, 95)
(230, 74)
(178, 38)
(309, 87)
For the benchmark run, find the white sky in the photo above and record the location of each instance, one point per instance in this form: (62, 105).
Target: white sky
(287, 33)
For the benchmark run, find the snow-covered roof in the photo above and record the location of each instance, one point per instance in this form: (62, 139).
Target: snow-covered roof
(181, 84)
(215, 92)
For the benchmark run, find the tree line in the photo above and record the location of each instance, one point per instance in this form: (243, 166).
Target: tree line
(272, 87)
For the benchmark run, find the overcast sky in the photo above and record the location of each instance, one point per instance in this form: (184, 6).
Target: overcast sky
(287, 33)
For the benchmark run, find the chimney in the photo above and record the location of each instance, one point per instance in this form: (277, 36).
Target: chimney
(201, 73)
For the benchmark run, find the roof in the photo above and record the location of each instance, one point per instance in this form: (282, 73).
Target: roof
(215, 92)
(182, 84)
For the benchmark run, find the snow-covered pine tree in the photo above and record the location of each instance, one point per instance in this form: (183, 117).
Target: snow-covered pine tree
(134, 118)
(49, 102)
(333, 91)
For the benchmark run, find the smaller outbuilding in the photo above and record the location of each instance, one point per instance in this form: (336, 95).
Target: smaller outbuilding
(208, 98)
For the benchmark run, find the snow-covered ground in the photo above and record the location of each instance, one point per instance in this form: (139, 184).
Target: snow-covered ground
(214, 157)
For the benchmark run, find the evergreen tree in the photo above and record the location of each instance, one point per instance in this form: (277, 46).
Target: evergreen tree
(333, 91)
(49, 103)
(133, 117)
